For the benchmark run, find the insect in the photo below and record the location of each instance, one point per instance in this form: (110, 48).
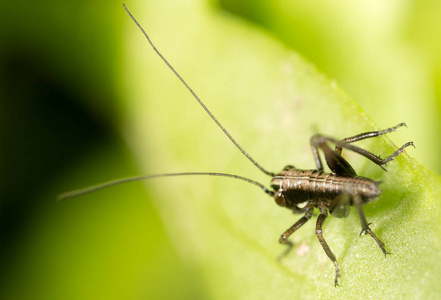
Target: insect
(301, 191)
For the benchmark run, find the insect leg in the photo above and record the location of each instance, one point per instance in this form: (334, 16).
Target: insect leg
(320, 141)
(316, 155)
(318, 231)
(367, 135)
(284, 237)
(365, 225)
(339, 207)
(335, 161)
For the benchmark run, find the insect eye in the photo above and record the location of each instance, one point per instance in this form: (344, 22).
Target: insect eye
(280, 198)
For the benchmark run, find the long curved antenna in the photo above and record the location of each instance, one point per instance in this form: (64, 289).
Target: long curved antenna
(196, 96)
(101, 186)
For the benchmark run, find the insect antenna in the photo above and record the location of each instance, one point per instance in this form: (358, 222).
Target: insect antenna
(107, 184)
(197, 97)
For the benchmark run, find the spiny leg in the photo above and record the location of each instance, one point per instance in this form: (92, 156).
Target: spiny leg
(367, 135)
(365, 225)
(352, 139)
(319, 141)
(284, 237)
(371, 134)
(318, 231)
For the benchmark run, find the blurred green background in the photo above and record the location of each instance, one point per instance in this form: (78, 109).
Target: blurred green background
(84, 100)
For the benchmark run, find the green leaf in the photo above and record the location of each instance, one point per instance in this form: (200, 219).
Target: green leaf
(218, 237)
(272, 101)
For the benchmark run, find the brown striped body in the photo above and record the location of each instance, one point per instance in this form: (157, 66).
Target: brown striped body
(293, 187)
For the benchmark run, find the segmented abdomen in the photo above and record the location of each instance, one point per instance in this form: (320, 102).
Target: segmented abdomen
(313, 184)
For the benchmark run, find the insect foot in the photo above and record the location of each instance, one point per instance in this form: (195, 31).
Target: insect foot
(368, 231)
(395, 154)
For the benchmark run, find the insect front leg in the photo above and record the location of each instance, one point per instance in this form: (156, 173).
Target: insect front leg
(365, 225)
(318, 231)
(284, 237)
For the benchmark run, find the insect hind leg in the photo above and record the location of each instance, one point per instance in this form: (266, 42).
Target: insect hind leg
(367, 135)
(376, 159)
(319, 141)
(335, 161)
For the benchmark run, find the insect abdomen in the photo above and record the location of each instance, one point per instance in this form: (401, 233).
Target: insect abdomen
(298, 186)
(308, 184)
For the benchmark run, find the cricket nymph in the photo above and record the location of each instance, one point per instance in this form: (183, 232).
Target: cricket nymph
(303, 190)
(293, 187)
(299, 190)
